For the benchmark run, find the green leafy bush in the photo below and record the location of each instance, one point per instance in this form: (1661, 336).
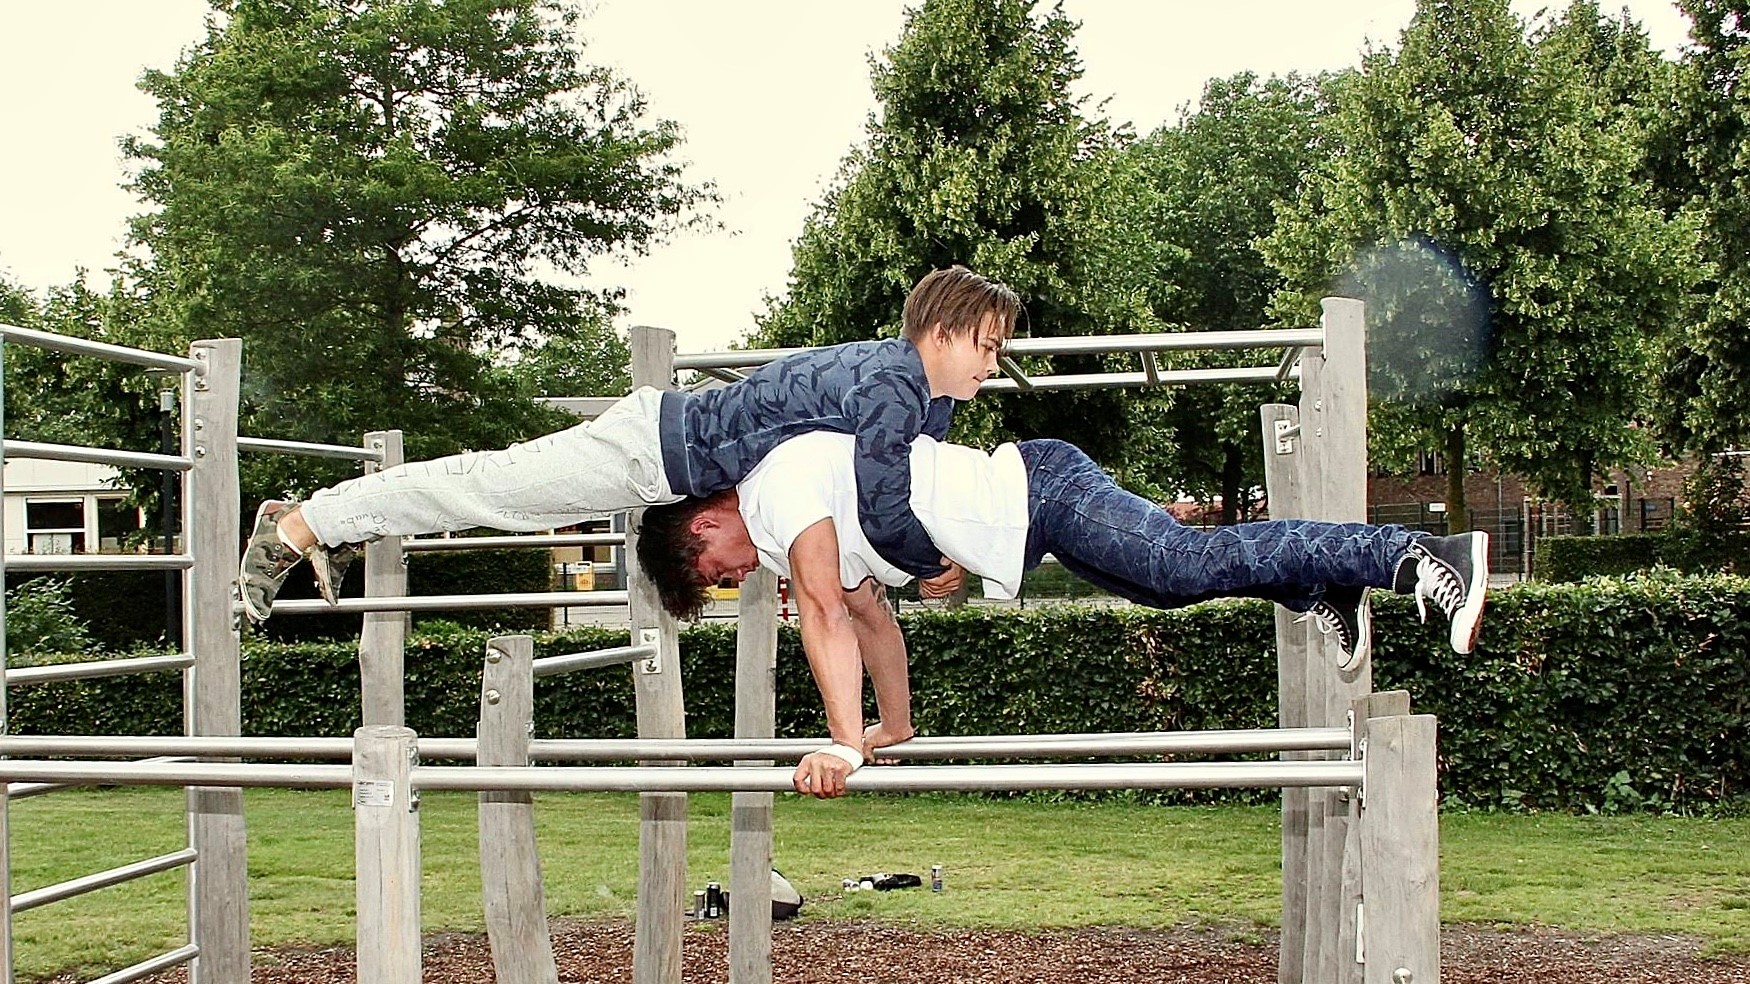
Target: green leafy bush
(1630, 694)
(40, 620)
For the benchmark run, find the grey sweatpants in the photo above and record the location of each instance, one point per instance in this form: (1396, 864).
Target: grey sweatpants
(601, 467)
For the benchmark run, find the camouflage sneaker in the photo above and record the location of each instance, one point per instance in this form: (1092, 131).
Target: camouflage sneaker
(330, 568)
(266, 561)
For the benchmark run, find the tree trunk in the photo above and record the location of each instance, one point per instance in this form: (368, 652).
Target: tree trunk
(1233, 469)
(1457, 513)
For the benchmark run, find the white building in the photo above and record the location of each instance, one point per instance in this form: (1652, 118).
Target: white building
(58, 507)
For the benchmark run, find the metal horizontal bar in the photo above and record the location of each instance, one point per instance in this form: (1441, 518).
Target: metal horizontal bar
(85, 773)
(1133, 380)
(1062, 345)
(103, 350)
(503, 542)
(74, 887)
(96, 456)
(709, 749)
(446, 603)
(595, 659)
(926, 749)
(25, 790)
(897, 778)
(146, 968)
(1169, 341)
(33, 563)
(308, 450)
(598, 778)
(99, 668)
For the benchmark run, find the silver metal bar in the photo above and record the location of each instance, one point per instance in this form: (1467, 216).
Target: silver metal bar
(1292, 430)
(898, 778)
(74, 887)
(178, 774)
(1013, 370)
(26, 790)
(103, 350)
(1286, 366)
(1132, 380)
(446, 603)
(1151, 369)
(96, 456)
(927, 749)
(1063, 345)
(92, 670)
(727, 375)
(503, 542)
(345, 451)
(146, 968)
(734, 359)
(1169, 341)
(595, 659)
(711, 749)
(31, 563)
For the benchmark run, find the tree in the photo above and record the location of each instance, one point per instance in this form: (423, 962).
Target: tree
(379, 198)
(1487, 205)
(1705, 372)
(979, 154)
(1216, 175)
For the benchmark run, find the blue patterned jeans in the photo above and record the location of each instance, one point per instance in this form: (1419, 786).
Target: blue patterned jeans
(1129, 546)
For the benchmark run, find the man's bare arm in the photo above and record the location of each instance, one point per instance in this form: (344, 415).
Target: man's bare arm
(829, 638)
(882, 645)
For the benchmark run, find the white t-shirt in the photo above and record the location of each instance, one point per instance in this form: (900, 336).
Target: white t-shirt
(973, 504)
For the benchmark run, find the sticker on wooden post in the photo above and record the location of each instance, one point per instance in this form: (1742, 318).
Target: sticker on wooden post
(373, 792)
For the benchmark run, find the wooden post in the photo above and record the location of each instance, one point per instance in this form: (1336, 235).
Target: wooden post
(386, 854)
(510, 863)
(212, 688)
(750, 834)
(1282, 484)
(383, 639)
(1400, 851)
(662, 828)
(5, 728)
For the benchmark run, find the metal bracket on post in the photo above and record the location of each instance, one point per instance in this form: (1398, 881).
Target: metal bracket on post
(1286, 432)
(653, 639)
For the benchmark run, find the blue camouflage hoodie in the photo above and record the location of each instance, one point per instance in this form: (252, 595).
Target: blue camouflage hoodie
(873, 390)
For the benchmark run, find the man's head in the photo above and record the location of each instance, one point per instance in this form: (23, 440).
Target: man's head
(959, 321)
(686, 547)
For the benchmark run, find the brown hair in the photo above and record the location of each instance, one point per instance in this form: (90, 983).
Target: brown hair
(959, 300)
(667, 552)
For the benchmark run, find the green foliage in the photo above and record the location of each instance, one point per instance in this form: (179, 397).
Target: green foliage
(1601, 695)
(40, 619)
(1217, 177)
(1490, 204)
(383, 201)
(980, 154)
(1575, 558)
(1705, 371)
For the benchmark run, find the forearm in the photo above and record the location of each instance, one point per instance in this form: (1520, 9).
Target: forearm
(830, 642)
(882, 646)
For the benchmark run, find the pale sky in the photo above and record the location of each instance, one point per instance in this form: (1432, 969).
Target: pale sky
(770, 95)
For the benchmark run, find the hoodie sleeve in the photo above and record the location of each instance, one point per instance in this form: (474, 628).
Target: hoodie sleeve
(888, 410)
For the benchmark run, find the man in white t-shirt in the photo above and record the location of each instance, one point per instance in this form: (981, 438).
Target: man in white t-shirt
(996, 515)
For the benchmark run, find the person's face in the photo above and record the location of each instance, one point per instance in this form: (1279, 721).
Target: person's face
(728, 553)
(966, 360)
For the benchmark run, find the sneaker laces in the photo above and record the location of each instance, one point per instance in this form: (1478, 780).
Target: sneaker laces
(1439, 583)
(1328, 620)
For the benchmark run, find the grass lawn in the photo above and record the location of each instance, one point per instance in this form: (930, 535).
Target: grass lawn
(1007, 863)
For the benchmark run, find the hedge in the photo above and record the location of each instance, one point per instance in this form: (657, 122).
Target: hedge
(1575, 558)
(1602, 695)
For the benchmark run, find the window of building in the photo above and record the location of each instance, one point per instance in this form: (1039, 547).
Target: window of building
(116, 521)
(54, 526)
